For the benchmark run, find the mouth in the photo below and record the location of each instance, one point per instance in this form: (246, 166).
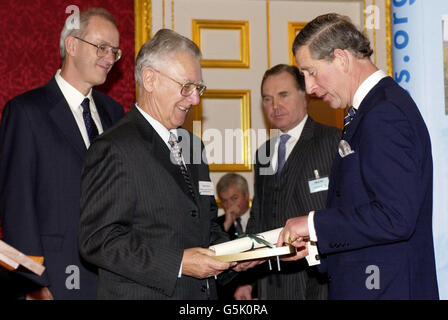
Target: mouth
(184, 109)
(105, 67)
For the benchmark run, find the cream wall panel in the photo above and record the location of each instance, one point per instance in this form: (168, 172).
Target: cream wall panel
(220, 44)
(283, 12)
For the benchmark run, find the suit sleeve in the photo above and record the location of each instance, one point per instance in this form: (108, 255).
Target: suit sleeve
(18, 175)
(108, 237)
(382, 182)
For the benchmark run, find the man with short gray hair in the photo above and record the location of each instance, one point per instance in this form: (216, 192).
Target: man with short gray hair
(147, 208)
(44, 136)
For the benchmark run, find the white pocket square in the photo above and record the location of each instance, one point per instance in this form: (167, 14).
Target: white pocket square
(344, 149)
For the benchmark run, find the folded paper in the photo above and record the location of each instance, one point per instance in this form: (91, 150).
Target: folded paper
(246, 243)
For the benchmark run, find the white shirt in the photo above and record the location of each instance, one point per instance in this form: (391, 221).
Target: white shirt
(74, 99)
(244, 219)
(290, 144)
(360, 94)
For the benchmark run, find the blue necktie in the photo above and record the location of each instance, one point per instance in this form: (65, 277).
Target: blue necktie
(92, 130)
(348, 118)
(282, 152)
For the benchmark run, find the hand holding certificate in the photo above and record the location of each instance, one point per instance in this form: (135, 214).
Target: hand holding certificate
(252, 247)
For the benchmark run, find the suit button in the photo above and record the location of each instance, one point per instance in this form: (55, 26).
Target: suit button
(338, 194)
(194, 213)
(204, 288)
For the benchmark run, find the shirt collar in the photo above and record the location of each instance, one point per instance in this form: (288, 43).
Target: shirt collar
(73, 97)
(163, 132)
(366, 86)
(297, 130)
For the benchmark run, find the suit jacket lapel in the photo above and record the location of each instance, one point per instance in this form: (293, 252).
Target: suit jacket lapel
(367, 103)
(294, 164)
(62, 117)
(157, 147)
(102, 111)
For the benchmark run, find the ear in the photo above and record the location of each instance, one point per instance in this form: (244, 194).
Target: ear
(148, 79)
(70, 46)
(342, 58)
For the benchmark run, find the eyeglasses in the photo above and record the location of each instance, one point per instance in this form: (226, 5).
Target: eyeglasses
(188, 87)
(103, 49)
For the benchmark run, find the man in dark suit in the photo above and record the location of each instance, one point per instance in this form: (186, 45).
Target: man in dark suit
(291, 178)
(375, 238)
(43, 141)
(148, 210)
(233, 192)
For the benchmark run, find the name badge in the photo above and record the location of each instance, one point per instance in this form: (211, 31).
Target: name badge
(317, 185)
(206, 188)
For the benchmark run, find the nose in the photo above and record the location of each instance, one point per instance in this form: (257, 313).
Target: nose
(194, 98)
(275, 103)
(310, 85)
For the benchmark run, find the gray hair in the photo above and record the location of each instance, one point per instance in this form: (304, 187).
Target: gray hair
(332, 31)
(165, 44)
(232, 179)
(84, 18)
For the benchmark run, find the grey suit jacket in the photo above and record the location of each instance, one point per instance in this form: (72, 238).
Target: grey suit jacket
(277, 200)
(137, 215)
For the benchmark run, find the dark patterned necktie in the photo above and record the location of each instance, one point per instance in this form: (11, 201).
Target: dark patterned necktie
(176, 153)
(282, 153)
(238, 227)
(92, 130)
(348, 118)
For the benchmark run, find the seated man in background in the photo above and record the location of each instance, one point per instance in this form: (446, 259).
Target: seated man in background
(233, 192)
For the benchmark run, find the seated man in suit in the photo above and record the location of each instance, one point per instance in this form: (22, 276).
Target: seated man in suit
(287, 169)
(44, 136)
(375, 238)
(233, 191)
(148, 212)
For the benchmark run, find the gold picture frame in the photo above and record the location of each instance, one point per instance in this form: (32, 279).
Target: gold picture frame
(240, 25)
(293, 28)
(244, 97)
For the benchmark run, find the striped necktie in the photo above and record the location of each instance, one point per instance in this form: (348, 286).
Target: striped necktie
(176, 152)
(92, 130)
(348, 118)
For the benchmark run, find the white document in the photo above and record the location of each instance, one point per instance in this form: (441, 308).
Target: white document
(246, 243)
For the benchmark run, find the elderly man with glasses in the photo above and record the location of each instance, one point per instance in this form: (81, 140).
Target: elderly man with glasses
(147, 205)
(44, 136)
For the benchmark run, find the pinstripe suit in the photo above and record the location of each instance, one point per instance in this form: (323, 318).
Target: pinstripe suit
(137, 215)
(275, 201)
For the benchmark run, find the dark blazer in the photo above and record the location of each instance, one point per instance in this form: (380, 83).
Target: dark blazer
(277, 200)
(377, 234)
(40, 176)
(138, 217)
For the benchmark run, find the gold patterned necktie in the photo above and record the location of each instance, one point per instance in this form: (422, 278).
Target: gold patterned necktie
(176, 152)
(348, 118)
